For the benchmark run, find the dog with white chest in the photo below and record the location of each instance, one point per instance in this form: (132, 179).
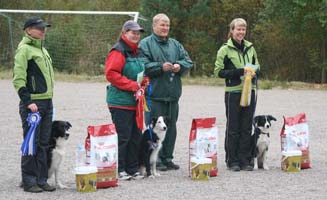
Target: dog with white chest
(56, 152)
(261, 140)
(150, 146)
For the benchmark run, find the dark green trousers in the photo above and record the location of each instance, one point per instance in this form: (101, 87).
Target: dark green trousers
(170, 111)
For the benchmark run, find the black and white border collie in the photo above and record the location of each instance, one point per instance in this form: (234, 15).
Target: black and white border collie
(149, 149)
(261, 140)
(56, 152)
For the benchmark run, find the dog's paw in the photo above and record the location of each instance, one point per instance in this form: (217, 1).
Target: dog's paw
(62, 186)
(151, 176)
(265, 167)
(157, 174)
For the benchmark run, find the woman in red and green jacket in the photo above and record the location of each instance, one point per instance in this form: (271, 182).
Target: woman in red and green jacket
(123, 65)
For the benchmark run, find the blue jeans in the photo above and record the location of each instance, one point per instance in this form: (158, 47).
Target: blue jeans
(35, 168)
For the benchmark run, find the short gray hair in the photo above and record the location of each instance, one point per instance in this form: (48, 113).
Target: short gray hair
(160, 16)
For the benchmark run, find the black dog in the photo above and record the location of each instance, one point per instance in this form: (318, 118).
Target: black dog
(150, 147)
(261, 140)
(56, 152)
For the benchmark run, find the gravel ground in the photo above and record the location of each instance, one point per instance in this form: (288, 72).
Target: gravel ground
(83, 104)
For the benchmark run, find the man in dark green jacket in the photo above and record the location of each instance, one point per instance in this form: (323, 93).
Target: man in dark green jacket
(165, 62)
(33, 81)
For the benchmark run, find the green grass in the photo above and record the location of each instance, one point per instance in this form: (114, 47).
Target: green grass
(207, 81)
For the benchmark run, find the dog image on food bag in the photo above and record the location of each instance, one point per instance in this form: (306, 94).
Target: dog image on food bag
(150, 146)
(261, 140)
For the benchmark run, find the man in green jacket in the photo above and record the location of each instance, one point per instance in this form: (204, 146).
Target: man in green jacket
(166, 61)
(33, 81)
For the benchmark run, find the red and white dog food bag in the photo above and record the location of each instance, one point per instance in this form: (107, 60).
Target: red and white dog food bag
(295, 136)
(203, 142)
(101, 146)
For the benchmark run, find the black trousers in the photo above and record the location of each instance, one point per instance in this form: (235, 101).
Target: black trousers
(238, 130)
(129, 139)
(35, 168)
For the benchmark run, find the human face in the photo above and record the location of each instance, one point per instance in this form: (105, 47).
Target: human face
(238, 33)
(161, 28)
(36, 32)
(133, 36)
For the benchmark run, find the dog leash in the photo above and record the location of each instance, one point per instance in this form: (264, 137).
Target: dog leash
(148, 102)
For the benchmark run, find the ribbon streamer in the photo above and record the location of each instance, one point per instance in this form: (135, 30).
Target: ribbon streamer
(28, 147)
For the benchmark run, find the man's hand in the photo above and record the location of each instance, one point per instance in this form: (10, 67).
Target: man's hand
(167, 66)
(176, 67)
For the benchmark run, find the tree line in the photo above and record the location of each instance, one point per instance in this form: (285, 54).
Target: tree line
(290, 36)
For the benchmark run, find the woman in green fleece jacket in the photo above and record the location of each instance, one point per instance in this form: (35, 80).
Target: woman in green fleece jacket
(231, 62)
(33, 81)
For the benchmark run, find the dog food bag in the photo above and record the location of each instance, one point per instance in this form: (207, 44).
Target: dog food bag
(295, 136)
(103, 150)
(203, 143)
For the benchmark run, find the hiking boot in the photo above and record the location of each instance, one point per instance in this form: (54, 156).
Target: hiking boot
(123, 176)
(247, 168)
(172, 166)
(234, 168)
(47, 187)
(137, 176)
(161, 167)
(33, 189)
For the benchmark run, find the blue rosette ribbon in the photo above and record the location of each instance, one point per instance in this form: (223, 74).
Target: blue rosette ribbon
(28, 147)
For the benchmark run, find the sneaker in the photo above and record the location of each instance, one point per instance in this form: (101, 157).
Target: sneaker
(137, 176)
(161, 167)
(170, 165)
(234, 168)
(123, 176)
(33, 189)
(47, 187)
(247, 168)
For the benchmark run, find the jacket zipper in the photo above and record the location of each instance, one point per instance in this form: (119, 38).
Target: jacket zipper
(33, 83)
(47, 64)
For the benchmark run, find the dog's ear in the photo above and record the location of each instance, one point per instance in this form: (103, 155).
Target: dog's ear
(68, 124)
(255, 120)
(55, 124)
(166, 120)
(153, 121)
(270, 117)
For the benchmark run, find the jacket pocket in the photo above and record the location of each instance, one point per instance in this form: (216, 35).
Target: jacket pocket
(233, 82)
(36, 82)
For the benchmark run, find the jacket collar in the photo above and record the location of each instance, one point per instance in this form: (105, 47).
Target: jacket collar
(159, 39)
(246, 43)
(32, 41)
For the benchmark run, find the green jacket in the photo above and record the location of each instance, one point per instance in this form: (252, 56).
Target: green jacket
(230, 62)
(33, 71)
(166, 86)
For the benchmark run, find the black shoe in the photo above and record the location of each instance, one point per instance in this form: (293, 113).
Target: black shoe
(170, 165)
(161, 167)
(235, 168)
(47, 187)
(33, 189)
(247, 168)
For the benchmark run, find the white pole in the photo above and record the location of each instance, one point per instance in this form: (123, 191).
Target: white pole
(71, 12)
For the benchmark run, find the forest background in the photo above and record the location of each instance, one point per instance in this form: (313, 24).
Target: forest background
(290, 36)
